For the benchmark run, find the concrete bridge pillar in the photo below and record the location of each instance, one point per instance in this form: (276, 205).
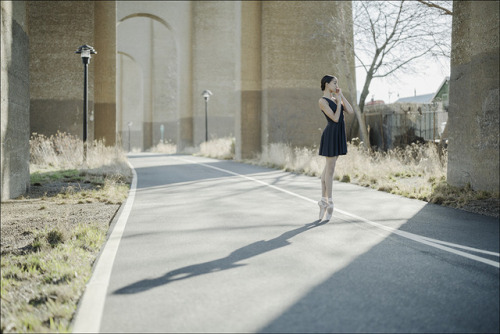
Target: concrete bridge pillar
(57, 29)
(105, 67)
(301, 42)
(473, 150)
(248, 116)
(214, 67)
(15, 118)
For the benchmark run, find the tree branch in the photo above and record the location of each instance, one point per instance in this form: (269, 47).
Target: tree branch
(433, 5)
(401, 65)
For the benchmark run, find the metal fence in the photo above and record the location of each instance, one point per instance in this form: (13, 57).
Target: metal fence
(401, 124)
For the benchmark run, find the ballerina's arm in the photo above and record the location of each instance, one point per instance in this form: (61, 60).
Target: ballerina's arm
(323, 105)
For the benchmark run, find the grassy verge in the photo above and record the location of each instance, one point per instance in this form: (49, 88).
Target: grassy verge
(42, 285)
(52, 235)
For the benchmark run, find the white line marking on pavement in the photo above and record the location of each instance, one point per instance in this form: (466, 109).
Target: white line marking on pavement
(463, 247)
(90, 310)
(415, 237)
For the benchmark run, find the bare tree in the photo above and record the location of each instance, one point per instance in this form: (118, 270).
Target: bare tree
(390, 35)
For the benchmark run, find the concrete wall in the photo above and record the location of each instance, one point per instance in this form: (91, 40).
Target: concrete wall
(105, 70)
(474, 96)
(301, 42)
(57, 29)
(215, 62)
(15, 151)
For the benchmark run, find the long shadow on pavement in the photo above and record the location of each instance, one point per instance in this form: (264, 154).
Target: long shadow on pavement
(228, 262)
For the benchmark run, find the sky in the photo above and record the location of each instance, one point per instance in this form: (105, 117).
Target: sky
(425, 81)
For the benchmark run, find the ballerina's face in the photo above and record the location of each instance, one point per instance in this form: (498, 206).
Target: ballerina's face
(333, 85)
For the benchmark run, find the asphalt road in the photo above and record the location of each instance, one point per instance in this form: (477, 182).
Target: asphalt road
(219, 246)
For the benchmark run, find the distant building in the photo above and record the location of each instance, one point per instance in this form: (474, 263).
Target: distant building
(441, 95)
(373, 102)
(426, 98)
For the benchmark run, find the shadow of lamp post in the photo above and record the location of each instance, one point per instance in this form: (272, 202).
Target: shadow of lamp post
(85, 51)
(206, 95)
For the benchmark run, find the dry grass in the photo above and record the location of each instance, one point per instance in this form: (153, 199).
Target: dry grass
(63, 151)
(219, 148)
(165, 148)
(411, 172)
(417, 171)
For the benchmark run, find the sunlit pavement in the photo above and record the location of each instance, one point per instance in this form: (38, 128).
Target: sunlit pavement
(219, 246)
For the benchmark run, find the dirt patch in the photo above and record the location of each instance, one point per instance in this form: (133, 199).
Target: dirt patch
(487, 207)
(42, 209)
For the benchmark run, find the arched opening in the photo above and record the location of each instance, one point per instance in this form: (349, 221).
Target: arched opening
(149, 42)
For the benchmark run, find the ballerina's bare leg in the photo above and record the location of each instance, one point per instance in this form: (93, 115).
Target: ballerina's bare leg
(326, 187)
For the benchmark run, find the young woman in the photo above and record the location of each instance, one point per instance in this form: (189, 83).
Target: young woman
(333, 140)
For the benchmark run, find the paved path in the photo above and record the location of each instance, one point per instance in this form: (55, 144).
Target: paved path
(219, 246)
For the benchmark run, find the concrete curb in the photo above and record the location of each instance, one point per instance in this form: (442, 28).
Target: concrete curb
(89, 312)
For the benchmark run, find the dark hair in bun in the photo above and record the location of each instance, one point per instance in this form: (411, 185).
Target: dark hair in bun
(326, 79)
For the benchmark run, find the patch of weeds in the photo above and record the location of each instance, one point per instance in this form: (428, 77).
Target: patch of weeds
(482, 195)
(457, 197)
(385, 188)
(33, 264)
(38, 243)
(346, 178)
(38, 300)
(12, 272)
(29, 322)
(89, 237)
(70, 175)
(55, 237)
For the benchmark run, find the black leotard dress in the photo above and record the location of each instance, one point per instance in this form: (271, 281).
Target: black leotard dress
(333, 139)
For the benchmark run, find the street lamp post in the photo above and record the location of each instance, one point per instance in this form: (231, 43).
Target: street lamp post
(206, 95)
(85, 51)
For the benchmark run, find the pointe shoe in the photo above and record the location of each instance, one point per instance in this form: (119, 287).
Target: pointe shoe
(329, 211)
(322, 208)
